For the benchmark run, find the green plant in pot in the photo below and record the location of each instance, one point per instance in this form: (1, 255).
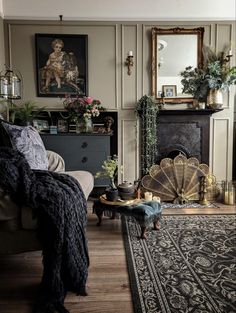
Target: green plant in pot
(216, 76)
(110, 171)
(25, 113)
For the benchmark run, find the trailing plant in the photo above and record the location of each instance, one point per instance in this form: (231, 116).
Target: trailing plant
(215, 74)
(148, 110)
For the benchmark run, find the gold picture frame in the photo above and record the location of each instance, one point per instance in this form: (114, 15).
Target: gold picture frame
(169, 91)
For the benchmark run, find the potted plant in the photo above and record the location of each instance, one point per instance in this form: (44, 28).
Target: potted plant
(25, 113)
(208, 83)
(110, 170)
(148, 110)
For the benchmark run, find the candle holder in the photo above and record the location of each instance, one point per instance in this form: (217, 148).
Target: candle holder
(129, 62)
(203, 191)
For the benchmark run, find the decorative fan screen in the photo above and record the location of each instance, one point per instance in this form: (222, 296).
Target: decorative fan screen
(176, 180)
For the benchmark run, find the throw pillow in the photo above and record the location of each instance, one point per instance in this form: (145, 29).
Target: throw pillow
(27, 140)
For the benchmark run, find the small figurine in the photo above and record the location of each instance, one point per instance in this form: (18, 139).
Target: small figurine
(108, 122)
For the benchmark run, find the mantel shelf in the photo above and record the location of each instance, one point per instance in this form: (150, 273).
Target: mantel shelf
(189, 112)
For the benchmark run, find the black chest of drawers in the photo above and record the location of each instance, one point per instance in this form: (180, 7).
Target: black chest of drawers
(81, 152)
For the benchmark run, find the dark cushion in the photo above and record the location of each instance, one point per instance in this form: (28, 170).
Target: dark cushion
(27, 140)
(5, 140)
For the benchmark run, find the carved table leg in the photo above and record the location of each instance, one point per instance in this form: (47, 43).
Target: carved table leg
(113, 216)
(157, 225)
(99, 215)
(143, 233)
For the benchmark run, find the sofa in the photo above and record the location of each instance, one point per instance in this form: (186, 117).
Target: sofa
(18, 227)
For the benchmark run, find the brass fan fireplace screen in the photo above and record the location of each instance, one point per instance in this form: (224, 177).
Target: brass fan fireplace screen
(180, 180)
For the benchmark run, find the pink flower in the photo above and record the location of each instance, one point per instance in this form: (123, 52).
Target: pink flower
(89, 100)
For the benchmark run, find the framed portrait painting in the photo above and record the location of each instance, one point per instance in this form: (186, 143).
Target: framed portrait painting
(61, 65)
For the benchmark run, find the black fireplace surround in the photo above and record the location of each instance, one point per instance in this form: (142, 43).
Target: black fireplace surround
(186, 132)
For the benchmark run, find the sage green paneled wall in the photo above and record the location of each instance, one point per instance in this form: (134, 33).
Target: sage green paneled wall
(108, 45)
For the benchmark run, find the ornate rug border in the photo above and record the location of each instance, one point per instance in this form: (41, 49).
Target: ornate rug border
(131, 273)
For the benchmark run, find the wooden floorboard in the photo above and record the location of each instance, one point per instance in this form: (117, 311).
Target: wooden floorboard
(108, 284)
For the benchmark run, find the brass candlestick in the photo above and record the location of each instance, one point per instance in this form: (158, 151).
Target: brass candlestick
(203, 191)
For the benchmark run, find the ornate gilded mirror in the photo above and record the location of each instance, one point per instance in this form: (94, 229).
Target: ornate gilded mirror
(173, 50)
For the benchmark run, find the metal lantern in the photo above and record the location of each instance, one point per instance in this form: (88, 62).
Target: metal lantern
(10, 84)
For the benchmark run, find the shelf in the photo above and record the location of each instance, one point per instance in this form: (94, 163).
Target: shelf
(75, 134)
(189, 112)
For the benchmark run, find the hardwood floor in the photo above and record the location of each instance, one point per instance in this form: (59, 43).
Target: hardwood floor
(108, 284)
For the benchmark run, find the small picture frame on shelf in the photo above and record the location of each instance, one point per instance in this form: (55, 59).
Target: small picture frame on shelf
(62, 126)
(41, 125)
(99, 128)
(169, 91)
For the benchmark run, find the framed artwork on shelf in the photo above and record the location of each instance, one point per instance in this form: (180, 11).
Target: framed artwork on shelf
(61, 65)
(99, 128)
(41, 125)
(169, 91)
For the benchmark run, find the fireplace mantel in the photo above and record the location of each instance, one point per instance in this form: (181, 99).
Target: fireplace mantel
(189, 112)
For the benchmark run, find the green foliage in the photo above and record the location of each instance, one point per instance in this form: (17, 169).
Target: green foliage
(215, 74)
(110, 170)
(194, 83)
(148, 110)
(24, 113)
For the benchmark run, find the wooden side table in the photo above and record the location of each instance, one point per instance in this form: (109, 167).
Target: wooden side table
(144, 212)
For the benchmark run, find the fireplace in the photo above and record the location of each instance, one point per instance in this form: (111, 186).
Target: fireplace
(186, 132)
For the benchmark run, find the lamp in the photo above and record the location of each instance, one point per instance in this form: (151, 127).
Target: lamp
(129, 61)
(10, 86)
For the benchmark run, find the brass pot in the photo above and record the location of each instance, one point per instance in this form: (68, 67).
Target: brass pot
(215, 98)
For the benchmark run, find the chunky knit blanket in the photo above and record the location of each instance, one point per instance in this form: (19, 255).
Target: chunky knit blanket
(60, 207)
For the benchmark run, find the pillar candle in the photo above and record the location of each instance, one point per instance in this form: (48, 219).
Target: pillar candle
(148, 196)
(226, 197)
(157, 199)
(231, 197)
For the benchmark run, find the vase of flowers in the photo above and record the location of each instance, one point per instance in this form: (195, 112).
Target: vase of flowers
(81, 111)
(84, 125)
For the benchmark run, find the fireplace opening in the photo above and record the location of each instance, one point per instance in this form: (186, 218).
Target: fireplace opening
(174, 153)
(171, 151)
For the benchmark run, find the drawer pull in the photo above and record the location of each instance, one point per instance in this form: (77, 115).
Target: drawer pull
(84, 144)
(84, 160)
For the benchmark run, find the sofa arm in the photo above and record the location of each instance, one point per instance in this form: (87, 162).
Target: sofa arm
(56, 162)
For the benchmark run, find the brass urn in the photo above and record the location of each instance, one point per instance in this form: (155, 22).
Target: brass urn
(215, 98)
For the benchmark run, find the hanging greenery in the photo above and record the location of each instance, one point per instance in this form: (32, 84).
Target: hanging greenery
(148, 110)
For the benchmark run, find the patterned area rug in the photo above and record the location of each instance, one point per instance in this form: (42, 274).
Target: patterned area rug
(187, 266)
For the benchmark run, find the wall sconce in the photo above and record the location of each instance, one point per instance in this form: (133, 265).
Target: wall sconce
(226, 59)
(129, 62)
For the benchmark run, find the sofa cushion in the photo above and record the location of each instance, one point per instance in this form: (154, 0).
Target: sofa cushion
(55, 162)
(85, 179)
(27, 140)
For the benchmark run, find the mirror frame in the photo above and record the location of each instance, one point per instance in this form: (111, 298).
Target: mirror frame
(174, 31)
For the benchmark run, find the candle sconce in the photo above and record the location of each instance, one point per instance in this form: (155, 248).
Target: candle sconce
(129, 62)
(226, 58)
